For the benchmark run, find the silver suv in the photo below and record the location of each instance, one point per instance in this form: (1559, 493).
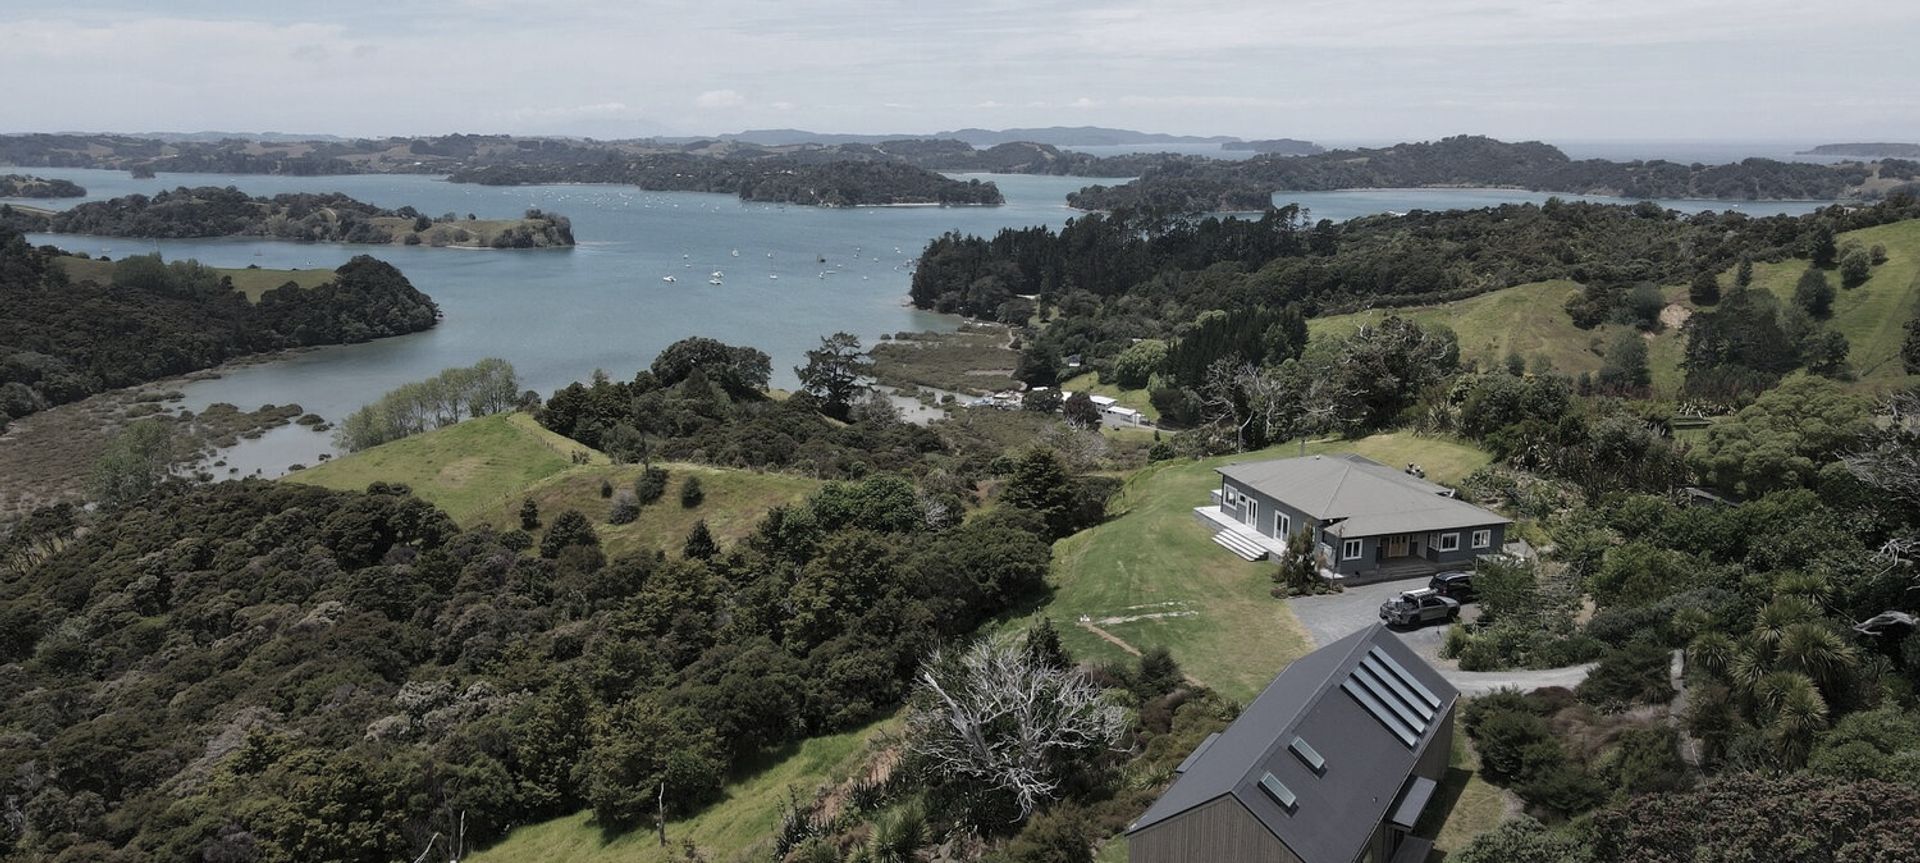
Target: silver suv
(1417, 607)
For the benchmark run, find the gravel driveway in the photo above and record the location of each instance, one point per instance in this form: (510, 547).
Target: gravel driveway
(1328, 618)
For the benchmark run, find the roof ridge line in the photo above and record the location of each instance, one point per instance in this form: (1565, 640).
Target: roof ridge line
(1335, 494)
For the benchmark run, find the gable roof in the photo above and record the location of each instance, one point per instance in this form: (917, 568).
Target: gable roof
(1368, 498)
(1364, 749)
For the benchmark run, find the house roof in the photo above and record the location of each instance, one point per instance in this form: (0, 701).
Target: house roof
(1370, 498)
(1322, 699)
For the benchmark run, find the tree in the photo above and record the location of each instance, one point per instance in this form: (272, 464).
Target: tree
(1910, 348)
(691, 494)
(1814, 294)
(529, 515)
(995, 722)
(1081, 412)
(1783, 439)
(835, 372)
(135, 461)
(1743, 274)
(1625, 370)
(1704, 290)
(1856, 266)
(650, 484)
(1040, 484)
(1041, 400)
(1136, 365)
(1821, 247)
(568, 530)
(644, 756)
(1299, 570)
(700, 544)
(741, 371)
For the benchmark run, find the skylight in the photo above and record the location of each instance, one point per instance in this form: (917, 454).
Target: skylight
(1279, 792)
(1309, 755)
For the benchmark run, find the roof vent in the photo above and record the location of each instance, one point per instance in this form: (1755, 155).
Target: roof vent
(1279, 793)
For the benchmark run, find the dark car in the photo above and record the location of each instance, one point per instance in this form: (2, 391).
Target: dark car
(1455, 585)
(1416, 607)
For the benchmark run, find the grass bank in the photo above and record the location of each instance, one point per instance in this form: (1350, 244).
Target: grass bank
(252, 281)
(738, 828)
(466, 469)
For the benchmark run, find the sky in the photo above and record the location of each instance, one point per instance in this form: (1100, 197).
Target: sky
(1328, 70)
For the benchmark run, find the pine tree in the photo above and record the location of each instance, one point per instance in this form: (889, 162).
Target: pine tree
(700, 544)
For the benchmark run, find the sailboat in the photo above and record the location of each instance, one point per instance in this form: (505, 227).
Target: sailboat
(714, 281)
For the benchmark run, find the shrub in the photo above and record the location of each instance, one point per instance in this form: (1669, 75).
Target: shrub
(529, 515)
(691, 494)
(606, 489)
(1565, 789)
(1635, 673)
(1505, 738)
(625, 510)
(650, 484)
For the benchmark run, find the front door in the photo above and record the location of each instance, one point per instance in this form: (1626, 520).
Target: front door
(1397, 546)
(1252, 513)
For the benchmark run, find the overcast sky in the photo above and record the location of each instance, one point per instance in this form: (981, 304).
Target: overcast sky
(1317, 69)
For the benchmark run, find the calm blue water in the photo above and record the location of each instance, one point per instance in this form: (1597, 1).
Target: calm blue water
(559, 314)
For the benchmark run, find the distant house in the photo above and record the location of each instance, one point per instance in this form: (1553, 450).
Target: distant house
(1365, 519)
(1333, 763)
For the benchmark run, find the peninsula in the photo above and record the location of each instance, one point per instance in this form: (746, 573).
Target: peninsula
(1474, 161)
(23, 186)
(211, 211)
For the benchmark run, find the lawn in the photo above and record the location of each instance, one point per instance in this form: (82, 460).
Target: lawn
(1468, 804)
(1136, 399)
(252, 282)
(734, 502)
(738, 828)
(466, 469)
(1152, 576)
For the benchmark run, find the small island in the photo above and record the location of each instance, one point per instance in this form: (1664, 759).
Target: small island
(25, 186)
(211, 211)
(1277, 146)
(1866, 151)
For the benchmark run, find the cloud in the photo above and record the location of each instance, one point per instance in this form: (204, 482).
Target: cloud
(712, 99)
(1083, 103)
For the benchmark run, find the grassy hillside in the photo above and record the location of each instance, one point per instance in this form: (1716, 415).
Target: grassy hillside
(480, 470)
(1532, 318)
(1872, 315)
(1153, 577)
(252, 282)
(735, 501)
(465, 469)
(735, 829)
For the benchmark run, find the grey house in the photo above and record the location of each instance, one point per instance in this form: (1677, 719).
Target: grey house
(1365, 519)
(1333, 763)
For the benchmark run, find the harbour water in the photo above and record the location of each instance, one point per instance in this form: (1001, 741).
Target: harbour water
(558, 315)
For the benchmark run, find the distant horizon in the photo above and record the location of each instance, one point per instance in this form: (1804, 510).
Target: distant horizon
(1330, 142)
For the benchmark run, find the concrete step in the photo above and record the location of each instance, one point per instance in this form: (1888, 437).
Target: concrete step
(1246, 549)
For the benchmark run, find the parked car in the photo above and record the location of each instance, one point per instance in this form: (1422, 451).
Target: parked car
(1454, 585)
(1418, 607)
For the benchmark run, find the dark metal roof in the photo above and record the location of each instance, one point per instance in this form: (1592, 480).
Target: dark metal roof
(1365, 497)
(1366, 761)
(1413, 801)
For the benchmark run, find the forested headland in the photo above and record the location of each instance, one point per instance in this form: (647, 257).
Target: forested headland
(211, 211)
(62, 340)
(774, 179)
(24, 186)
(1249, 185)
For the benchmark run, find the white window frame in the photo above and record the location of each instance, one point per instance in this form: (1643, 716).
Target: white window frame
(1482, 538)
(1282, 525)
(1444, 545)
(1352, 549)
